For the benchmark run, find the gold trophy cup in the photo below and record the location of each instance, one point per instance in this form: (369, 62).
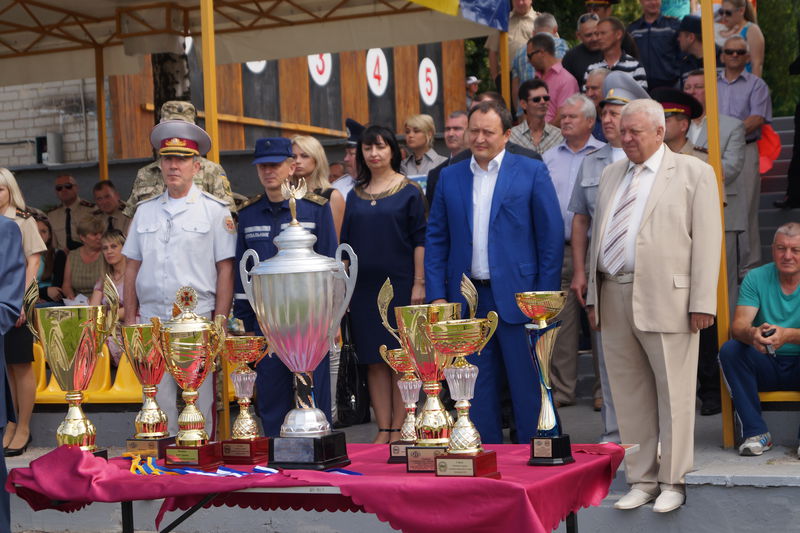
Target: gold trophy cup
(409, 385)
(245, 445)
(144, 354)
(190, 343)
(72, 338)
(549, 446)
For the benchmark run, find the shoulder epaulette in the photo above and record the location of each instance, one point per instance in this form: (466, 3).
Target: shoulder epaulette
(85, 203)
(251, 201)
(701, 149)
(212, 197)
(140, 202)
(24, 213)
(316, 198)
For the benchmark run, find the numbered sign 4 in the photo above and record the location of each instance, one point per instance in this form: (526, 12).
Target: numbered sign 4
(320, 66)
(428, 81)
(377, 71)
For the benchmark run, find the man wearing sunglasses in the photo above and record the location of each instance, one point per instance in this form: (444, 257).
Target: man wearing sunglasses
(561, 84)
(534, 132)
(64, 218)
(745, 96)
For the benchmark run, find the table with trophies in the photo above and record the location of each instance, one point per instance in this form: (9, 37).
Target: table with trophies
(299, 298)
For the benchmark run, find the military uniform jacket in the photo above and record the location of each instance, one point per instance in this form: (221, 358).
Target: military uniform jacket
(149, 183)
(32, 242)
(584, 193)
(58, 220)
(260, 222)
(122, 222)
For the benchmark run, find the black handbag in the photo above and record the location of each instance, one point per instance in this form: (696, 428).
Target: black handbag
(352, 395)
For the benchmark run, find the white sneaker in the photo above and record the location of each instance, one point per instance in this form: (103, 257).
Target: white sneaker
(756, 445)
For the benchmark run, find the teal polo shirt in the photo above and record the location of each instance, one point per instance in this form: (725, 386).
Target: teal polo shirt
(761, 289)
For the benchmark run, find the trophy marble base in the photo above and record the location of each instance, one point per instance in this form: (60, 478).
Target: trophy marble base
(309, 453)
(245, 451)
(206, 457)
(483, 464)
(423, 458)
(550, 451)
(397, 451)
(149, 447)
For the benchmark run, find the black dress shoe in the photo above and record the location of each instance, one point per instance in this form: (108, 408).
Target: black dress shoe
(787, 203)
(710, 407)
(13, 452)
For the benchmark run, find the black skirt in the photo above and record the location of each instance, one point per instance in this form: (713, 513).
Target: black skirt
(19, 345)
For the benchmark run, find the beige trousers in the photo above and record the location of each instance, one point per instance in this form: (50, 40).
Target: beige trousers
(653, 378)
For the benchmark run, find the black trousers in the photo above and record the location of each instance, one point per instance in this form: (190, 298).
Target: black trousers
(708, 365)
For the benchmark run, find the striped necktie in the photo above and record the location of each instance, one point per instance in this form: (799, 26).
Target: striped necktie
(614, 249)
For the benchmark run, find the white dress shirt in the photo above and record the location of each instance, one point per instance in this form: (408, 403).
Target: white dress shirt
(483, 184)
(646, 179)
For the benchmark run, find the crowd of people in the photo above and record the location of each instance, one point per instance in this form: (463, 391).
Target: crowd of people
(593, 181)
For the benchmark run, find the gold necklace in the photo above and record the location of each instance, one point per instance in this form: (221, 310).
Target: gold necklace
(374, 201)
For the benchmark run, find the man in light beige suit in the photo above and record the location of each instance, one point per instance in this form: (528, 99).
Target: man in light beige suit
(653, 274)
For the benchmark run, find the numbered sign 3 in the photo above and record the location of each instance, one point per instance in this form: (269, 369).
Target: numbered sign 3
(320, 67)
(428, 81)
(377, 71)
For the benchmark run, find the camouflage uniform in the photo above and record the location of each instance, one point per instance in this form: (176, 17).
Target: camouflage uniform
(210, 178)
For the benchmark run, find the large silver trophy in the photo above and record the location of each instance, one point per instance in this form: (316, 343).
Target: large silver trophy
(299, 298)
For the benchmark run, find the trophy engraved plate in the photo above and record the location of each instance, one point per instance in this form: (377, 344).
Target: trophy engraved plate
(233, 449)
(293, 450)
(550, 446)
(149, 447)
(397, 451)
(183, 456)
(423, 458)
(481, 465)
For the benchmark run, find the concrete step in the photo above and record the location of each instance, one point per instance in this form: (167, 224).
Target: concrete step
(787, 136)
(783, 123)
(770, 184)
(786, 151)
(780, 167)
(766, 199)
(769, 219)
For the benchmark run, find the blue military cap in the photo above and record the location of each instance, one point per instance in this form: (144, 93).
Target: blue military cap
(620, 88)
(354, 131)
(272, 150)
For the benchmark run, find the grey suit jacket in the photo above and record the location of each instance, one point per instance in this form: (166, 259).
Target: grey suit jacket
(678, 244)
(732, 143)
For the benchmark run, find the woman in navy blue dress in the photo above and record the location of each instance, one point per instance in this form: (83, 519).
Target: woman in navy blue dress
(384, 222)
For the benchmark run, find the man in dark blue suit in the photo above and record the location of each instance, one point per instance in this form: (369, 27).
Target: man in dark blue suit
(12, 287)
(495, 218)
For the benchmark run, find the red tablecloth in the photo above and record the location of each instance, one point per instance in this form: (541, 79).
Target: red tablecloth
(529, 499)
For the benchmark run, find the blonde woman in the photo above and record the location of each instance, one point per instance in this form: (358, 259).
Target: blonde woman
(311, 163)
(19, 341)
(739, 18)
(112, 243)
(422, 158)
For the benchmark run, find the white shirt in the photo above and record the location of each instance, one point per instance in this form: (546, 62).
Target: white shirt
(344, 185)
(483, 184)
(617, 154)
(695, 129)
(179, 245)
(646, 179)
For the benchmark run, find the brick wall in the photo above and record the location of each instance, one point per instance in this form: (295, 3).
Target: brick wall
(28, 111)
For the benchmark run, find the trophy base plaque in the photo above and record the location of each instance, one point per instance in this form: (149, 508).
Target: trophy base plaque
(397, 451)
(309, 453)
(206, 457)
(149, 447)
(245, 451)
(482, 464)
(550, 451)
(423, 458)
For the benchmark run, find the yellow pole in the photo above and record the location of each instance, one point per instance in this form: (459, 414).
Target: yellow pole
(100, 98)
(505, 69)
(212, 127)
(210, 79)
(715, 160)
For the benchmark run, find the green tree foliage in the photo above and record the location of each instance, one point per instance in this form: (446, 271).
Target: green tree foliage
(780, 22)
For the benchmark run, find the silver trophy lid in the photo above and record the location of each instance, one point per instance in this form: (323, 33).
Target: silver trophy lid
(295, 244)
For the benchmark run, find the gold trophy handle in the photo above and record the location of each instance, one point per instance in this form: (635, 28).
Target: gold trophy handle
(29, 306)
(385, 296)
(156, 331)
(384, 351)
(218, 336)
(490, 325)
(112, 296)
(470, 294)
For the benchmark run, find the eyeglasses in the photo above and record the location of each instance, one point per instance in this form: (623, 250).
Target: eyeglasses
(726, 12)
(738, 52)
(587, 17)
(537, 99)
(533, 53)
(67, 186)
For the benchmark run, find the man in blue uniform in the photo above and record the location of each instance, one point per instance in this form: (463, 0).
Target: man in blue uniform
(260, 220)
(12, 272)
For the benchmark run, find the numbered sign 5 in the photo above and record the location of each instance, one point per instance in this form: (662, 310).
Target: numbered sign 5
(428, 81)
(377, 71)
(320, 66)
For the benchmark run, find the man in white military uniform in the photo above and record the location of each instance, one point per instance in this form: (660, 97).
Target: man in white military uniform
(182, 237)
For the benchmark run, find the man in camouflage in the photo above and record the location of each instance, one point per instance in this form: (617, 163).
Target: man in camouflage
(210, 178)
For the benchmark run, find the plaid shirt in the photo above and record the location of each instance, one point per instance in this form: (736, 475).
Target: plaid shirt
(521, 135)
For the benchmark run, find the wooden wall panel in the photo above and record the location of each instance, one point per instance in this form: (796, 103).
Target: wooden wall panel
(293, 81)
(406, 86)
(131, 124)
(454, 76)
(326, 101)
(229, 101)
(355, 100)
